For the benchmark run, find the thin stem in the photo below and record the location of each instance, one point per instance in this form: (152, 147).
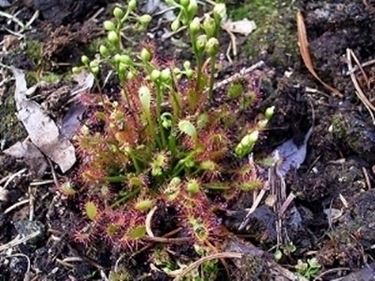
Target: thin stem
(199, 73)
(199, 61)
(135, 162)
(212, 78)
(176, 102)
(158, 114)
(128, 196)
(105, 106)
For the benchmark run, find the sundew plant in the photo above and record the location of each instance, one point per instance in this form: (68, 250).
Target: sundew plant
(168, 143)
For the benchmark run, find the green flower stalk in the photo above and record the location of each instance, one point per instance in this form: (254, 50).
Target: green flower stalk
(145, 99)
(212, 48)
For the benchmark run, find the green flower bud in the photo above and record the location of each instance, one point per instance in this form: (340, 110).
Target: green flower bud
(193, 187)
(246, 144)
(118, 13)
(95, 70)
(103, 50)
(85, 60)
(201, 42)
(113, 37)
(125, 59)
(94, 66)
(185, 3)
(155, 75)
(109, 25)
(175, 25)
(209, 26)
(250, 139)
(212, 46)
(176, 71)
(220, 12)
(117, 58)
(262, 123)
(166, 120)
(187, 65)
(144, 20)
(132, 5)
(192, 8)
(189, 73)
(76, 70)
(195, 26)
(130, 75)
(94, 63)
(269, 112)
(165, 75)
(122, 68)
(145, 55)
(189, 163)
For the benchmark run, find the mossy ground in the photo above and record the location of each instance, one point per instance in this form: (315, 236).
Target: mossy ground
(274, 33)
(11, 129)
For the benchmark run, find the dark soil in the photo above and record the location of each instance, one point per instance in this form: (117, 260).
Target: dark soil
(337, 174)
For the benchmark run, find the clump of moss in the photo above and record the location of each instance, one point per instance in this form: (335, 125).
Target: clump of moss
(34, 51)
(273, 34)
(11, 129)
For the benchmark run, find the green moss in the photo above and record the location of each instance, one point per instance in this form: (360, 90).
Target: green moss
(51, 77)
(273, 33)
(339, 126)
(34, 51)
(93, 47)
(11, 129)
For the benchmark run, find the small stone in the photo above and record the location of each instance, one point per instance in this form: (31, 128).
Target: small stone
(25, 228)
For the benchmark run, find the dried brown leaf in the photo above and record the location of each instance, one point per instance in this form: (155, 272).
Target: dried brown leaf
(305, 53)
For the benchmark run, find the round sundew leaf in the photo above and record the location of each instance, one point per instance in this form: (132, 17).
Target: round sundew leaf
(91, 210)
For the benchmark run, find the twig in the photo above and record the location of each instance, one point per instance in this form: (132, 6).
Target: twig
(53, 174)
(16, 205)
(33, 18)
(239, 75)
(365, 64)
(12, 18)
(330, 271)
(360, 94)
(148, 221)
(286, 203)
(17, 241)
(169, 234)
(167, 240)
(166, 10)
(367, 178)
(31, 204)
(197, 263)
(38, 183)
(12, 177)
(255, 205)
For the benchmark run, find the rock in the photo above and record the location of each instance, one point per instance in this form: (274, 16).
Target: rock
(25, 228)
